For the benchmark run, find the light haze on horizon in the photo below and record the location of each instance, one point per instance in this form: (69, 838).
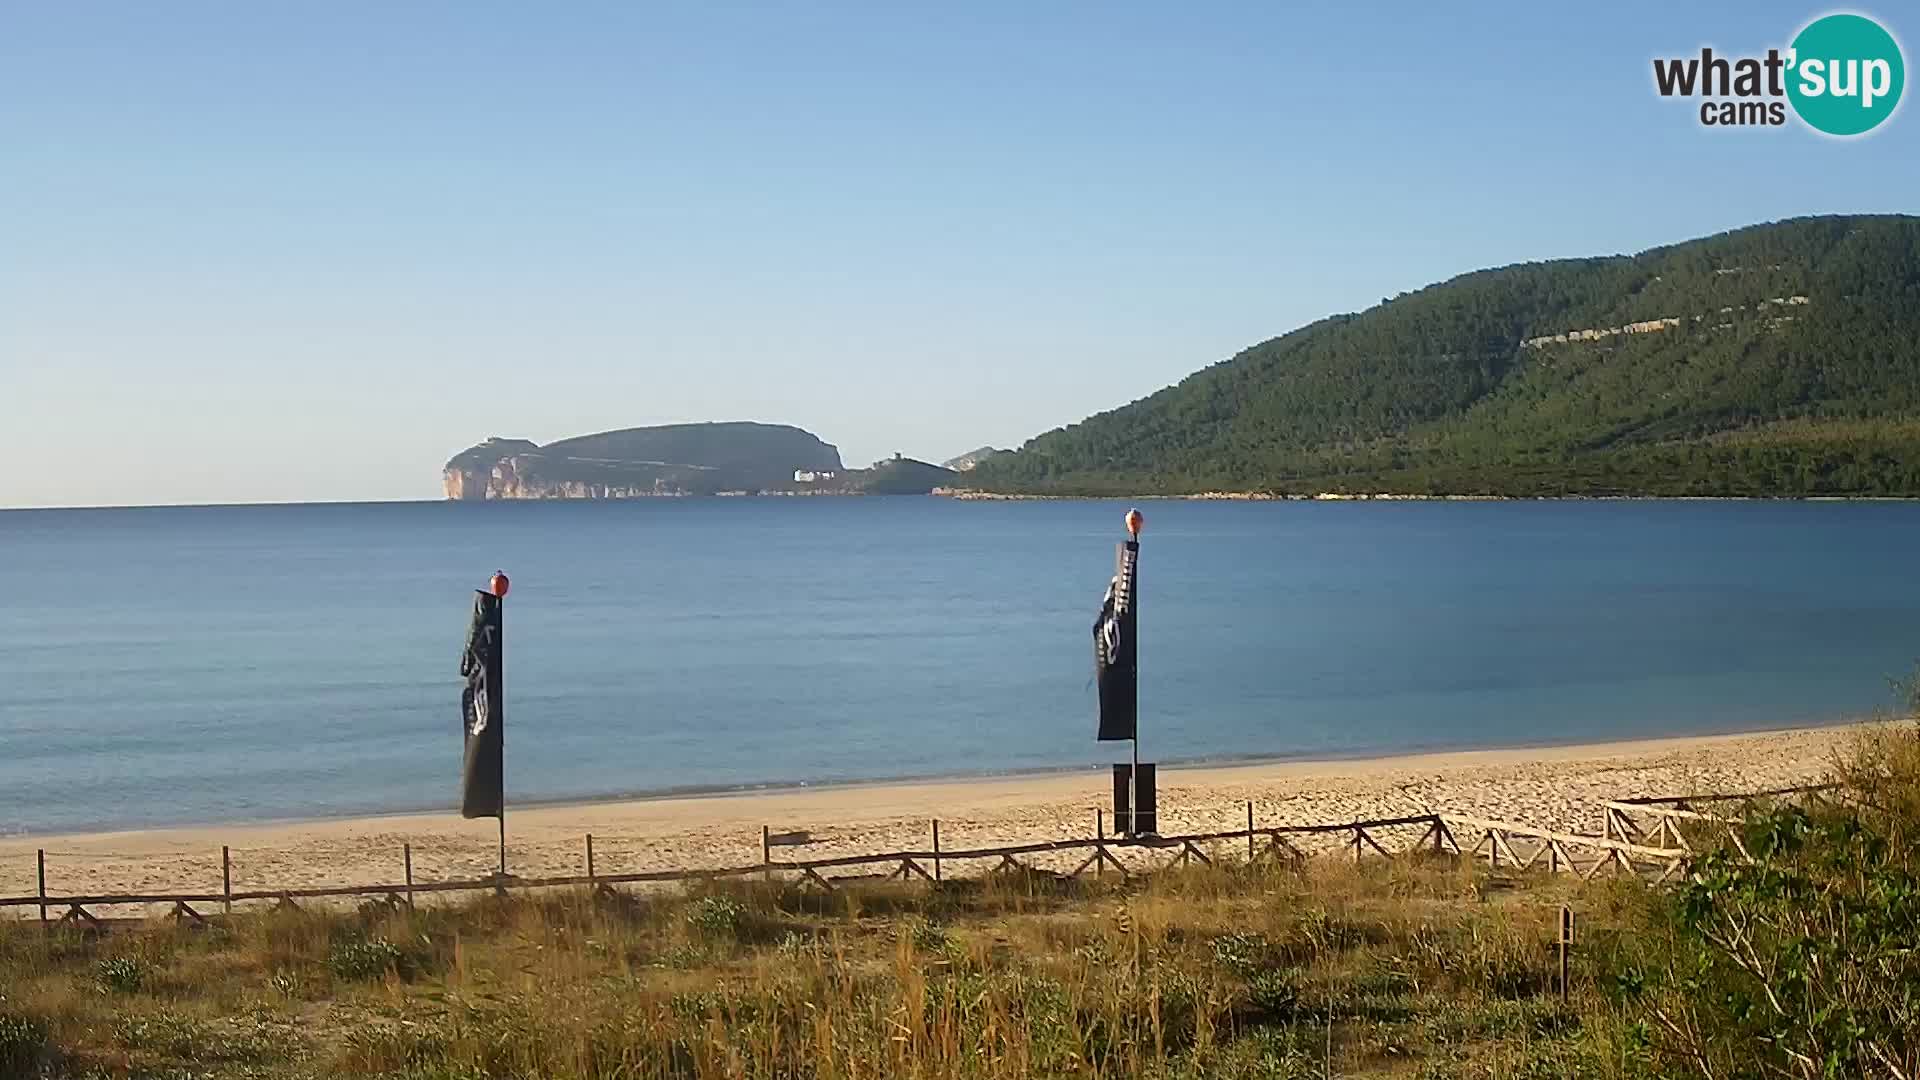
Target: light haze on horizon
(271, 254)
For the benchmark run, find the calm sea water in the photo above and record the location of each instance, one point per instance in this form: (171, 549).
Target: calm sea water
(205, 664)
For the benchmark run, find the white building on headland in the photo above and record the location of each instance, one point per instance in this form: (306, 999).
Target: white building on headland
(812, 476)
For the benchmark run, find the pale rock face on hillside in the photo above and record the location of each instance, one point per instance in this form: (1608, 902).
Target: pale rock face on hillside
(965, 462)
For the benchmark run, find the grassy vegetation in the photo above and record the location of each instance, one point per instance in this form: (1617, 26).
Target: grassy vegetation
(1419, 968)
(1396, 968)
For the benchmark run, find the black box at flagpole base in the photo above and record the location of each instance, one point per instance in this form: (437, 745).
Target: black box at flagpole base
(1125, 792)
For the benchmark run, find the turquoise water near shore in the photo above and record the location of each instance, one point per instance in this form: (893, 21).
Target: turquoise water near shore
(173, 665)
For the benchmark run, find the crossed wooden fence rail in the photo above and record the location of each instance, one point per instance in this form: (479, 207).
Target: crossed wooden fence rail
(1625, 819)
(1619, 850)
(1496, 838)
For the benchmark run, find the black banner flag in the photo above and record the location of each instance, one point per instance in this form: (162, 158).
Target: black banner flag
(482, 711)
(1115, 661)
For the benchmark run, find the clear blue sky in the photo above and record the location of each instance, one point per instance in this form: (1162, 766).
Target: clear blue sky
(308, 251)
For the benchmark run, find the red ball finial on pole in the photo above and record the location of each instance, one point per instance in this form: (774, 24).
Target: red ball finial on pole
(498, 584)
(1135, 519)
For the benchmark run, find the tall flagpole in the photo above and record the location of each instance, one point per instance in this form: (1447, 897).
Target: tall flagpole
(498, 585)
(1135, 519)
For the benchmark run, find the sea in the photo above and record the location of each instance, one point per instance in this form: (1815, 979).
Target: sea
(214, 664)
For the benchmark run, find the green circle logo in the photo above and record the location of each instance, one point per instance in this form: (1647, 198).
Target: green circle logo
(1846, 74)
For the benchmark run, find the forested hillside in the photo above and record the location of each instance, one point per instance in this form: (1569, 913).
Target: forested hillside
(1782, 359)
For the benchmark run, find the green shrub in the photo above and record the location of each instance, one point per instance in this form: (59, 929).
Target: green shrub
(1275, 993)
(1287, 1054)
(24, 1046)
(717, 916)
(359, 959)
(1242, 954)
(174, 1035)
(161, 1033)
(793, 944)
(1793, 953)
(121, 974)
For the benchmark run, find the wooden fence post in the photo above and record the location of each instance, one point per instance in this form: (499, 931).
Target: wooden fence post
(766, 852)
(1249, 832)
(1566, 942)
(226, 879)
(406, 853)
(1099, 833)
(43, 885)
(589, 860)
(936, 849)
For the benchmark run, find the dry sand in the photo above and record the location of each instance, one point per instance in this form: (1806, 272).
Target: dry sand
(1558, 787)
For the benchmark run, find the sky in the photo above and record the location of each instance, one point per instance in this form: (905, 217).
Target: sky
(307, 252)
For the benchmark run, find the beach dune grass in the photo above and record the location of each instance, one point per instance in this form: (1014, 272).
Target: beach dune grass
(1233, 970)
(1425, 966)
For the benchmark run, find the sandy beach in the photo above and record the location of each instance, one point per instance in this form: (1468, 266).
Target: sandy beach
(1558, 787)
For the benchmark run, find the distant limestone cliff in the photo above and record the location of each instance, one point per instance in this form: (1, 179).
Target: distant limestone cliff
(673, 459)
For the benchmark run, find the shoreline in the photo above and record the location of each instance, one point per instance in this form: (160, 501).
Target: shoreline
(1559, 787)
(971, 495)
(1330, 760)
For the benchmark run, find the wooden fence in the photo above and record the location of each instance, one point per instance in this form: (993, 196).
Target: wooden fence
(1628, 819)
(929, 864)
(1626, 847)
(1497, 838)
